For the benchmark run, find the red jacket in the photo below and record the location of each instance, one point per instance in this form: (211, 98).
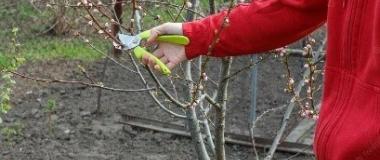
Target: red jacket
(349, 124)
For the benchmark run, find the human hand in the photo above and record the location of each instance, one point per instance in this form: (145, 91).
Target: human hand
(169, 54)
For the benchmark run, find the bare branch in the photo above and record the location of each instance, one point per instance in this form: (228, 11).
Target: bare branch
(291, 106)
(112, 59)
(193, 120)
(166, 92)
(221, 111)
(252, 64)
(78, 82)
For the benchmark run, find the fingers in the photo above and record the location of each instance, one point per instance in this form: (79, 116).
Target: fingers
(170, 65)
(148, 60)
(145, 59)
(166, 28)
(151, 62)
(158, 53)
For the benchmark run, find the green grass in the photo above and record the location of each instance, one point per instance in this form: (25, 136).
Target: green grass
(48, 48)
(29, 21)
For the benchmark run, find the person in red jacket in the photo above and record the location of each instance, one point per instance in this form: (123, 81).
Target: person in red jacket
(349, 123)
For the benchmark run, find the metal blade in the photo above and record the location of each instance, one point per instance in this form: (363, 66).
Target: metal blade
(129, 42)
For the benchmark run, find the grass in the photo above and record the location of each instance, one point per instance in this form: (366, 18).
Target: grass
(20, 14)
(48, 48)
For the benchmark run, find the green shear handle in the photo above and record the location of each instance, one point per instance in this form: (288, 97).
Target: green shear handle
(174, 39)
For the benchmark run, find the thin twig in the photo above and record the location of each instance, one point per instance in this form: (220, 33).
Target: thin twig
(290, 108)
(99, 96)
(78, 82)
(163, 90)
(100, 26)
(112, 59)
(252, 64)
(180, 11)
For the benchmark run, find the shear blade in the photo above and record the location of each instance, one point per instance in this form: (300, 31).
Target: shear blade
(129, 42)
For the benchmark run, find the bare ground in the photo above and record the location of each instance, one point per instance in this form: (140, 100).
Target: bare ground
(78, 134)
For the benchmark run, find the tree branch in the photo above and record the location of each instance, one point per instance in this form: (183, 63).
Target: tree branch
(221, 111)
(78, 82)
(163, 90)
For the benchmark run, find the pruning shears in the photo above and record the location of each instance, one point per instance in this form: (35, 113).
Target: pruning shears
(133, 42)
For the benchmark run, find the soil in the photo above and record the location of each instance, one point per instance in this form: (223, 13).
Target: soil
(74, 132)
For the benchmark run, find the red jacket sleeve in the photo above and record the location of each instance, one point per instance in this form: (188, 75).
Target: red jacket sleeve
(255, 27)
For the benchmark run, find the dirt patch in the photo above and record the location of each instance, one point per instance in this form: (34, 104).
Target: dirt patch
(77, 134)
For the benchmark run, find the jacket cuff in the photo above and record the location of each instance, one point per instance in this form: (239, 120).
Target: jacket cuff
(199, 36)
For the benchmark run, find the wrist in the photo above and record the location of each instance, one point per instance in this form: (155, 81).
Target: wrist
(172, 28)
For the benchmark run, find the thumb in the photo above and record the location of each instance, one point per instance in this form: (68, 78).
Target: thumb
(153, 36)
(154, 33)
